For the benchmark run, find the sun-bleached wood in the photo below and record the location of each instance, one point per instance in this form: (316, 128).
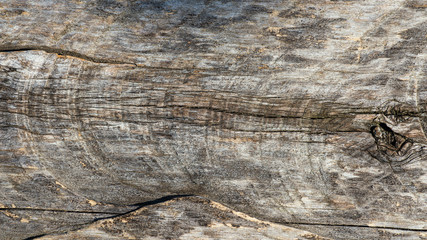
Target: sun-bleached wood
(310, 114)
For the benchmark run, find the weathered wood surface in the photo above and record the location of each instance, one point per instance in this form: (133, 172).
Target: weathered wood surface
(190, 218)
(310, 114)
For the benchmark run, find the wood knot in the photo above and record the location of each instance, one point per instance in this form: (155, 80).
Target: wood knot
(389, 142)
(393, 148)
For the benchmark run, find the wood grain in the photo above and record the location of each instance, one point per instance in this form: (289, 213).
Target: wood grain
(310, 114)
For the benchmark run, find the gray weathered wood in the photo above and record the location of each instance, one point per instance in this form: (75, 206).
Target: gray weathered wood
(310, 114)
(190, 218)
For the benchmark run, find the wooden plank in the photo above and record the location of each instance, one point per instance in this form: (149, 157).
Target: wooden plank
(303, 113)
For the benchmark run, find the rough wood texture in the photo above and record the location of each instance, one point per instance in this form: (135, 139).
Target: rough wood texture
(191, 218)
(310, 114)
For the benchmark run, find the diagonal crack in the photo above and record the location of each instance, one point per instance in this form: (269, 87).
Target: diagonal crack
(35, 237)
(138, 206)
(171, 197)
(145, 204)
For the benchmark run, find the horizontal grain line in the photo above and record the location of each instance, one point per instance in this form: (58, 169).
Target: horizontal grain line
(57, 210)
(62, 52)
(353, 225)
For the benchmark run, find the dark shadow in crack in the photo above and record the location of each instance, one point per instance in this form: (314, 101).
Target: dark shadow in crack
(35, 237)
(144, 204)
(137, 207)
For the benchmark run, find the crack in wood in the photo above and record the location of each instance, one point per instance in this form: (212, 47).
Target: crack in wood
(84, 57)
(169, 198)
(62, 52)
(137, 205)
(355, 225)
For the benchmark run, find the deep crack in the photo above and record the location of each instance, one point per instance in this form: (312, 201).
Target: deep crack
(171, 197)
(137, 205)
